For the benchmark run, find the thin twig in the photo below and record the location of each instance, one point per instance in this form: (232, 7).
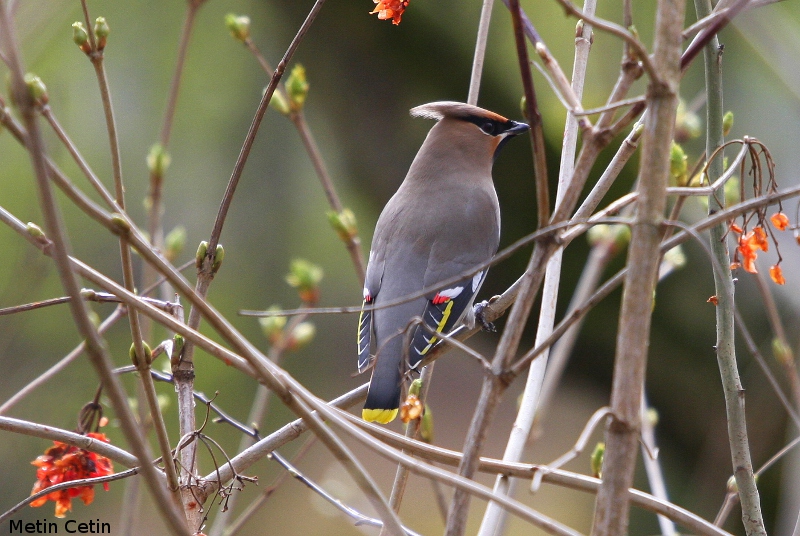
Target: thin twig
(615, 29)
(480, 52)
(349, 511)
(60, 250)
(67, 485)
(724, 290)
(50, 373)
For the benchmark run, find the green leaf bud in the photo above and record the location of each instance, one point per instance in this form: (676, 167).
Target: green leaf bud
(272, 326)
(426, 425)
(81, 37)
(596, 460)
(678, 166)
(727, 123)
(279, 102)
(782, 352)
(101, 31)
(88, 294)
(36, 232)
(344, 223)
(219, 256)
(415, 387)
(158, 160)
(239, 26)
(174, 243)
(120, 224)
(305, 277)
(37, 89)
(148, 354)
(178, 342)
(617, 235)
(202, 249)
(301, 335)
(297, 88)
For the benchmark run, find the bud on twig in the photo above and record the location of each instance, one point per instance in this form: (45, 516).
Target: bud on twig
(782, 352)
(727, 123)
(36, 232)
(344, 223)
(678, 167)
(415, 387)
(305, 277)
(239, 26)
(302, 334)
(279, 102)
(617, 235)
(297, 88)
(596, 460)
(148, 354)
(272, 326)
(219, 256)
(101, 31)
(178, 343)
(202, 249)
(158, 160)
(121, 226)
(37, 89)
(81, 37)
(426, 425)
(174, 243)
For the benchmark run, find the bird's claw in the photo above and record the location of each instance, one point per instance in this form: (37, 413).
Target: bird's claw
(480, 318)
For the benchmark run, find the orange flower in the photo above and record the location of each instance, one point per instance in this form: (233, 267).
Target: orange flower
(736, 229)
(64, 463)
(713, 299)
(411, 409)
(780, 221)
(748, 244)
(760, 238)
(390, 9)
(776, 274)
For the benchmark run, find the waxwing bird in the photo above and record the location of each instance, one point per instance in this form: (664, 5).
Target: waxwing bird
(442, 222)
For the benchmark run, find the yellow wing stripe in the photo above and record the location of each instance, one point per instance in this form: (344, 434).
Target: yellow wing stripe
(439, 327)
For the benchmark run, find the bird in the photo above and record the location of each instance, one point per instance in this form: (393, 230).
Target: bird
(443, 222)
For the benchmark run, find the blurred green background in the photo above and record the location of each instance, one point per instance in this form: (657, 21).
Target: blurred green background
(365, 74)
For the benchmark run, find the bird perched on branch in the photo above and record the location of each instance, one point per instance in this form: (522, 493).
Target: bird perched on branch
(442, 223)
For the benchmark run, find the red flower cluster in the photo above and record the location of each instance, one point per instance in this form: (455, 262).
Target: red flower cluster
(64, 463)
(390, 9)
(750, 243)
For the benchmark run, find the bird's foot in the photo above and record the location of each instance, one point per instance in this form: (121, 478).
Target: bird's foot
(480, 318)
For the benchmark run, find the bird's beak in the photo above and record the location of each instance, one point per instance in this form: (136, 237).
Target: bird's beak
(517, 128)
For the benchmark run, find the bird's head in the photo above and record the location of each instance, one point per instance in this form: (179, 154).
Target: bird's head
(477, 130)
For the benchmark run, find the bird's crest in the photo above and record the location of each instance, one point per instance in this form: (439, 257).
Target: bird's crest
(441, 109)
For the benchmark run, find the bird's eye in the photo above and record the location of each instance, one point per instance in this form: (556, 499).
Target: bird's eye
(488, 128)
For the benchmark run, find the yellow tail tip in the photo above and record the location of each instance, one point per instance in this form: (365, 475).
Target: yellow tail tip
(382, 416)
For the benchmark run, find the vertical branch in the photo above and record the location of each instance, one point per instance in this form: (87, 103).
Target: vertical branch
(534, 117)
(495, 517)
(724, 289)
(480, 52)
(622, 432)
(142, 356)
(95, 346)
(493, 383)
